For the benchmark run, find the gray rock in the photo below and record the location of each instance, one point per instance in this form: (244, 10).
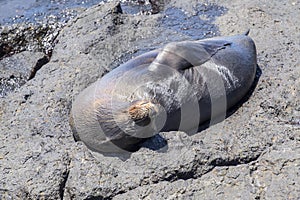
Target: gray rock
(274, 175)
(24, 36)
(253, 154)
(18, 69)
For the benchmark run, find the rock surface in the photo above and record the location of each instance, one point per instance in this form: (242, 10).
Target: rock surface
(18, 69)
(252, 154)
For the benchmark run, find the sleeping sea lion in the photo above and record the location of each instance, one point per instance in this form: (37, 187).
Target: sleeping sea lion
(177, 87)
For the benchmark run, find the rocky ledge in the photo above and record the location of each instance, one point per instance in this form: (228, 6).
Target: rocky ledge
(253, 154)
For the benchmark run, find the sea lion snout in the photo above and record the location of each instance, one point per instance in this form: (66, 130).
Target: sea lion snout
(147, 113)
(142, 111)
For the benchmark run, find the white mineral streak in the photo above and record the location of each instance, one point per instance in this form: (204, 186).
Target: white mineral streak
(224, 72)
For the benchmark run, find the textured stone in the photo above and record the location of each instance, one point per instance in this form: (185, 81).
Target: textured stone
(252, 154)
(18, 69)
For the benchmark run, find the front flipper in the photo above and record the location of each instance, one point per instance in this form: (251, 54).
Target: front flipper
(184, 55)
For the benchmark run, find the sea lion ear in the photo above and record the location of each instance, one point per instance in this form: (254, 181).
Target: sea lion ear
(141, 112)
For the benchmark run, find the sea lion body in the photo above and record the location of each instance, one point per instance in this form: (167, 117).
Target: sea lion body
(174, 88)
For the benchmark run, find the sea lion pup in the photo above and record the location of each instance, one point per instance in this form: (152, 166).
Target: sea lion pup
(174, 88)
